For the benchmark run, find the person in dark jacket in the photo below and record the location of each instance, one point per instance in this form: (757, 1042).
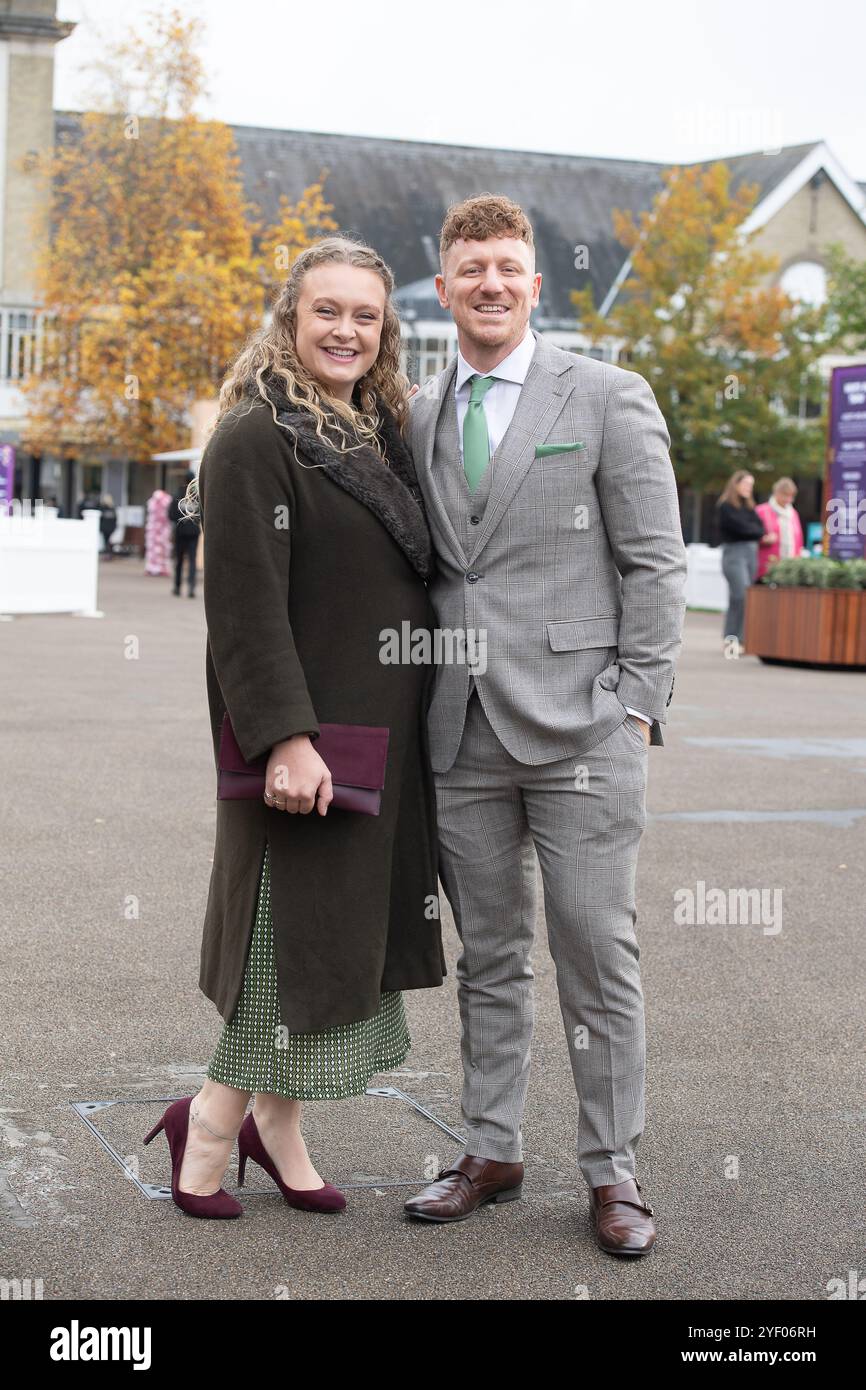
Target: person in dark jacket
(740, 529)
(107, 523)
(89, 503)
(316, 547)
(186, 533)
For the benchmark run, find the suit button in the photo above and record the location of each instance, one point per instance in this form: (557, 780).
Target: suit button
(472, 577)
(474, 520)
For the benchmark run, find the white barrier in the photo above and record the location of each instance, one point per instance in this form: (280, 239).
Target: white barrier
(49, 564)
(706, 586)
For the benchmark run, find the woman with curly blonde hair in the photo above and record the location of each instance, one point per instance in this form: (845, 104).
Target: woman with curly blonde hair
(315, 549)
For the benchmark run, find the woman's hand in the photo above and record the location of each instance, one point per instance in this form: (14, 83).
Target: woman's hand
(297, 779)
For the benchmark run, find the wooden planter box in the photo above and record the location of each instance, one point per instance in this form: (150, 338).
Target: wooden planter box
(824, 627)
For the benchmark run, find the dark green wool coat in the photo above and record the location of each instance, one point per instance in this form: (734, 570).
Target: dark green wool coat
(308, 556)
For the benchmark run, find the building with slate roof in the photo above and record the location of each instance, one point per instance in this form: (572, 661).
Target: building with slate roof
(394, 194)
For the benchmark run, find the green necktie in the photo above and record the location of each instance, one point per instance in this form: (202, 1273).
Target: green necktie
(476, 455)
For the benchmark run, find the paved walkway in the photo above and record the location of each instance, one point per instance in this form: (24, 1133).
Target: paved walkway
(752, 1155)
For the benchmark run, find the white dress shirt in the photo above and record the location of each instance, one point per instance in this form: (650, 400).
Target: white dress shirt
(500, 403)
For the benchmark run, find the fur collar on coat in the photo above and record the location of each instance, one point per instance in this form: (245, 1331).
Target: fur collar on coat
(389, 490)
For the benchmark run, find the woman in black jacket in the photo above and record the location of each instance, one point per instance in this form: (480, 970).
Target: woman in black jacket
(186, 533)
(107, 523)
(740, 532)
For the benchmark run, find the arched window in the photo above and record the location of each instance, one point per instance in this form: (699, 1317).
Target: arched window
(806, 281)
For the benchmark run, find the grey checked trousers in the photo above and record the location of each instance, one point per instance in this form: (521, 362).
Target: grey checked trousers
(584, 815)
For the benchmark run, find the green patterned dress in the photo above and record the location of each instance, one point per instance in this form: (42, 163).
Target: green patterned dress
(255, 1053)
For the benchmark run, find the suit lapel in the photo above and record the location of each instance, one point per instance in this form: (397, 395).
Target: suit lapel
(548, 385)
(436, 397)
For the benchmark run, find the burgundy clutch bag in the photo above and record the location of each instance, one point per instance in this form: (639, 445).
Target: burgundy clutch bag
(355, 754)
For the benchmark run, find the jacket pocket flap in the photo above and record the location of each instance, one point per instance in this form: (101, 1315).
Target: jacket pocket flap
(583, 632)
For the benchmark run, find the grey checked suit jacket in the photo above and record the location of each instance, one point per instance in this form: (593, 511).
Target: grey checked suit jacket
(576, 574)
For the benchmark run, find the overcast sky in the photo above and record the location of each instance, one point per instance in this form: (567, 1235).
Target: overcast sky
(668, 80)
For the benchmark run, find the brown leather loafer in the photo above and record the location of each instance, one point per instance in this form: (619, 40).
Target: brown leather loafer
(622, 1219)
(458, 1191)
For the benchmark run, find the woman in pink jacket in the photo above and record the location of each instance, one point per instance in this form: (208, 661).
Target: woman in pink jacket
(783, 531)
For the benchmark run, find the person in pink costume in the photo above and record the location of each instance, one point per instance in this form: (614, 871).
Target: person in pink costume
(157, 534)
(783, 530)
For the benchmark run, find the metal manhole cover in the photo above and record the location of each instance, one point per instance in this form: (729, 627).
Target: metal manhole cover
(120, 1125)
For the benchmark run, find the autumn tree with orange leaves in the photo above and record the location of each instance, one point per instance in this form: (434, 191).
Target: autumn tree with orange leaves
(731, 359)
(155, 269)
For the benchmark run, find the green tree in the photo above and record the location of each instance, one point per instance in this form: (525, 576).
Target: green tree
(731, 359)
(156, 268)
(846, 300)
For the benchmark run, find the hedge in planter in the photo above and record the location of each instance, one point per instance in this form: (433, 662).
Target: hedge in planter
(809, 610)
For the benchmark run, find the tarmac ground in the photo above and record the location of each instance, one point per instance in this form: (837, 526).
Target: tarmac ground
(752, 1155)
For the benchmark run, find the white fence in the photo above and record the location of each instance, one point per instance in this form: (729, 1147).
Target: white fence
(49, 564)
(705, 585)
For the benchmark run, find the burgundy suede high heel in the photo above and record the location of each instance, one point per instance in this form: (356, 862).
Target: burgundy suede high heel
(175, 1122)
(324, 1199)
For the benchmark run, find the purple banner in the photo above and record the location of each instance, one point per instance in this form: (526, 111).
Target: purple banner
(7, 477)
(845, 503)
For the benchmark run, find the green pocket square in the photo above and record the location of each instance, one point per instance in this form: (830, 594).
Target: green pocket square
(543, 451)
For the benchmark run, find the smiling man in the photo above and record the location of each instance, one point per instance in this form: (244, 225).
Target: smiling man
(554, 514)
